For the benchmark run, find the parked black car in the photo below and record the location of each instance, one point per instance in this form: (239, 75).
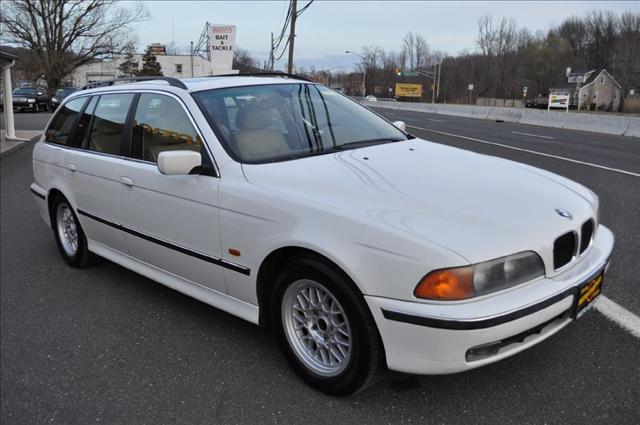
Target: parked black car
(537, 102)
(61, 93)
(31, 98)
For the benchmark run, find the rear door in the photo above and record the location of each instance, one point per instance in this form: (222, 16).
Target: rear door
(93, 168)
(171, 221)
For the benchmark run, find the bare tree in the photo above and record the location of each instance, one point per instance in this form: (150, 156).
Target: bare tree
(408, 49)
(244, 62)
(68, 33)
(626, 63)
(421, 51)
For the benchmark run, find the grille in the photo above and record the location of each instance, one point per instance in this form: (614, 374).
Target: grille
(586, 233)
(564, 248)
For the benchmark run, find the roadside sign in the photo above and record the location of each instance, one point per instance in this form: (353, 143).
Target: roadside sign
(558, 101)
(410, 73)
(222, 40)
(408, 90)
(524, 89)
(470, 87)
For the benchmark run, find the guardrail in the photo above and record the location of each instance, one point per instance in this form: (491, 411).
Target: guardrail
(598, 123)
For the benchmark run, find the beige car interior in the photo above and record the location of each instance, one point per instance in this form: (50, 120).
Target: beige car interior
(254, 139)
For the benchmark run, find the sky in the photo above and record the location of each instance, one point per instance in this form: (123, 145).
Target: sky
(328, 28)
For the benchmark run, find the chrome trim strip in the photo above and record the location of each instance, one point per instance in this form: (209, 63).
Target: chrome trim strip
(38, 194)
(179, 248)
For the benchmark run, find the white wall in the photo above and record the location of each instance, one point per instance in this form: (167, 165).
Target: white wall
(108, 69)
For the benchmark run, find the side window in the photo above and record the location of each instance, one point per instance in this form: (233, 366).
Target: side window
(108, 123)
(161, 124)
(62, 124)
(81, 135)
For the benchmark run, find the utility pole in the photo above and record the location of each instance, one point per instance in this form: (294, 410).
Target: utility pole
(433, 87)
(192, 59)
(271, 55)
(292, 34)
(438, 85)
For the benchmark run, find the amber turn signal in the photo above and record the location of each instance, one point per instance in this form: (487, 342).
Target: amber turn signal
(446, 284)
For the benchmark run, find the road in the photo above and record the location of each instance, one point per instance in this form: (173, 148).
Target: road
(105, 345)
(27, 120)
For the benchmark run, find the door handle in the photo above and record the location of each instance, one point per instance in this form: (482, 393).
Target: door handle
(71, 167)
(126, 181)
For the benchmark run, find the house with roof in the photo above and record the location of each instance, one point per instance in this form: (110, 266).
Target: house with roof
(590, 90)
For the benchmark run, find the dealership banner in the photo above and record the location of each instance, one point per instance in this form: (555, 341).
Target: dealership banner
(222, 39)
(408, 90)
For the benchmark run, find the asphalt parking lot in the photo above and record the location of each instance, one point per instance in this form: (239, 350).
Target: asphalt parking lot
(28, 120)
(105, 345)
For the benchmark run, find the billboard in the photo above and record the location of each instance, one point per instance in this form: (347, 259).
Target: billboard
(408, 90)
(558, 101)
(222, 40)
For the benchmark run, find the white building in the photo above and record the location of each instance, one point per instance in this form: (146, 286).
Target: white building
(178, 66)
(220, 42)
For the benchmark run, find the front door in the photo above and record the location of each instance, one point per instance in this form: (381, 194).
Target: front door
(170, 222)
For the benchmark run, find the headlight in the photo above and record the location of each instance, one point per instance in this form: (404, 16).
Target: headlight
(31, 100)
(471, 281)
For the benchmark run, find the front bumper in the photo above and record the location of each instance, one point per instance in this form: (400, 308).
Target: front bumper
(435, 337)
(23, 106)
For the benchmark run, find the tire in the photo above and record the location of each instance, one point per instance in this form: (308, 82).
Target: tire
(342, 363)
(70, 238)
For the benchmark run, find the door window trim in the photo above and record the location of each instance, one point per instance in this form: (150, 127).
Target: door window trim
(72, 133)
(129, 123)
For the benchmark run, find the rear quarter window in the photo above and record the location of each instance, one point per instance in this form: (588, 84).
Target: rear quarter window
(64, 121)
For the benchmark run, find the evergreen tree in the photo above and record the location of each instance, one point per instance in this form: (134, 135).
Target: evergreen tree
(150, 66)
(129, 67)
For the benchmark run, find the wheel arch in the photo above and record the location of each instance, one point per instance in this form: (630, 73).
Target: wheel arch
(51, 197)
(271, 266)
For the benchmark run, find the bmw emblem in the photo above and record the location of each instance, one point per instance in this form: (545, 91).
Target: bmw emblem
(564, 213)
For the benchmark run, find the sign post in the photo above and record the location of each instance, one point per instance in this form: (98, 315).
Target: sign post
(470, 90)
(524, 96)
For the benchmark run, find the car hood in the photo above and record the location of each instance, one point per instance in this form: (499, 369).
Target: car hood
(478, 206)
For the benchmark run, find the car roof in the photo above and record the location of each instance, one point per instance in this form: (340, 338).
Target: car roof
(194, 84)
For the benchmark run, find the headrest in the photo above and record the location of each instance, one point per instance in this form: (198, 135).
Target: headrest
(250, 117)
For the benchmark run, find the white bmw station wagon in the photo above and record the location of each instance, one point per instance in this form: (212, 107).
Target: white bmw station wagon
(291, 206)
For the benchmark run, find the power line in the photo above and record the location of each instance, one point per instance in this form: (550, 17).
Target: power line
(306, 6)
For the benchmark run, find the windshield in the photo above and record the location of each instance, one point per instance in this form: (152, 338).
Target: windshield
(277, 122)
(25, 91)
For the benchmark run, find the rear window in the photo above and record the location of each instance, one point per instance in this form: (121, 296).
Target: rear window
(64, 121)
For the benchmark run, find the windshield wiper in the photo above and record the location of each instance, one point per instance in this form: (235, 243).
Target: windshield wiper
(366, 142)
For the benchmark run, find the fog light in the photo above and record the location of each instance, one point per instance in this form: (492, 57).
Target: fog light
(483, 351)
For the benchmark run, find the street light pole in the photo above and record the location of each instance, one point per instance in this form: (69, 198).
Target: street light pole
(364, 72)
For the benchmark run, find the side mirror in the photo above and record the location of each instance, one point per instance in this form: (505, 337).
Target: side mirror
(173, 163)
(401, 125)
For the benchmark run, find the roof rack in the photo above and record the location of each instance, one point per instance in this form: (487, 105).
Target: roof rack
(267, 74)
(172, 82)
